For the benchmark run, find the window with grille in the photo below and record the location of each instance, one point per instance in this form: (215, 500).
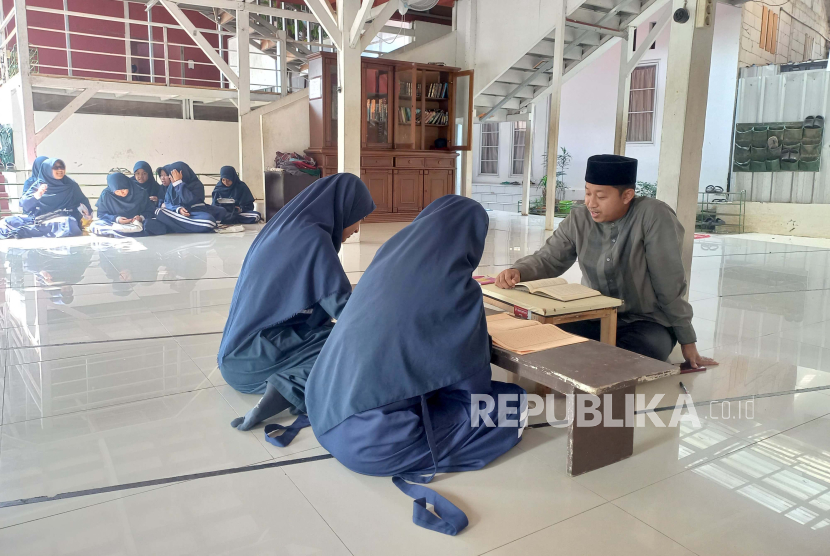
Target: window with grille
(489, 149)
(519, 134)
(769, 30)
(641, 104)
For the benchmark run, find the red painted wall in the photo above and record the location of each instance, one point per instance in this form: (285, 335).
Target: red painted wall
(103, 56)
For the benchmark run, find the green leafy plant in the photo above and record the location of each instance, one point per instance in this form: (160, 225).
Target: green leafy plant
(563, 160)
(646, 189)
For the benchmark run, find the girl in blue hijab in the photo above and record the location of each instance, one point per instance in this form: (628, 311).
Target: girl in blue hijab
(31, 180)
(144, 180)
(123, 202)
(54, 206)
(235, 196)
(391, 392)
(184, 210)
(291, 286)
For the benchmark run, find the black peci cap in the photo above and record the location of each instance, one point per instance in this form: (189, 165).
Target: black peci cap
(611, 169)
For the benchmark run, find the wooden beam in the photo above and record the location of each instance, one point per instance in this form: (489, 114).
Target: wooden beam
(201, 41)
(64, 114)
(360, 21)
(24, 65)
(321, 11)
(377, 24)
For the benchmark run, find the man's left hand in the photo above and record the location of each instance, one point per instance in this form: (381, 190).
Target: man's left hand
(695, 359)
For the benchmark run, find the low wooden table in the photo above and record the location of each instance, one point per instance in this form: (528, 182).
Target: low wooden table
(550, 311)
(589, 368)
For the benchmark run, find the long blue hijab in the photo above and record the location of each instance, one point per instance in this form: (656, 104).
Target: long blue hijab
(190, 181)
(135, 203)
(238, 190)
(64, 193)
(151, 187)
(31, 180)
(415, 322)
(293, 264)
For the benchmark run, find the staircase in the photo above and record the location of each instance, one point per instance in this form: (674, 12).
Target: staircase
(592, 27)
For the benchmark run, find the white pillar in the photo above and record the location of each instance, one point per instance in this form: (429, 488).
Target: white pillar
(527, 163)
(244, 87)
(623, 94)
(553, 123)
(284, 89)
(684, 118)
(24, 68)
(349, 107)
(465, 24)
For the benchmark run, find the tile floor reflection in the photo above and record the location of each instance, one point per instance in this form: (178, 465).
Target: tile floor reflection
(108, 375)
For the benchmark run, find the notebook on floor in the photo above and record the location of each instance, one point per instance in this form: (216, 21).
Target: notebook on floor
(557, 288)
(527, 336)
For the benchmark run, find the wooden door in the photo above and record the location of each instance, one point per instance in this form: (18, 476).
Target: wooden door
(408, 190)
(437, 183)
(379, 183)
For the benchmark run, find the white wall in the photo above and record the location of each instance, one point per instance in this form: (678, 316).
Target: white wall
(441, 49)
(285, 130)
(723, 75)
(96, 143)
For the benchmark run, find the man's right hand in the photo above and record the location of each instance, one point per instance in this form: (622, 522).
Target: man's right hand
(508, 278)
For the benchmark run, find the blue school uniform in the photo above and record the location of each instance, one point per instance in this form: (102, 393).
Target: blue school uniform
(290, 287)
(31, 180)
(110, 207)
(188, 193)
(55, 214)
(391, 392)
(237, 197)
(151, 187)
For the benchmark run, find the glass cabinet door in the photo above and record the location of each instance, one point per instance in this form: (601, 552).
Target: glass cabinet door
(377, 87)
(330, 117)
(407, 135)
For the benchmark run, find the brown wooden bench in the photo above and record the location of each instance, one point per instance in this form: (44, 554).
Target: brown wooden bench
(589, 368)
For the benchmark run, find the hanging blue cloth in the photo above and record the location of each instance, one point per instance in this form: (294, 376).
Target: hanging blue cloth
(290, 287)
(391, 392)
(61, 194)
(238, 191)
(151, 187)
(31, 180)
(110, 206)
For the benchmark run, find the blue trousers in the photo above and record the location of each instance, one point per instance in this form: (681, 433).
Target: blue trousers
(197, 222)
(24, 227)
(391, 440)
(247, 217)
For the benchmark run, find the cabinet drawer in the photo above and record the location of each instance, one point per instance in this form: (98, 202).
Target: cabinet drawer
(408, 162)
(330, 161)
(376, 161)
(440, 162)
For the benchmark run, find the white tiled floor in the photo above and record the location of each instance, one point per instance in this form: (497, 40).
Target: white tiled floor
(108, 376)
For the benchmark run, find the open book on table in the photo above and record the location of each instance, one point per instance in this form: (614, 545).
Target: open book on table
(527, 336)
(557, 288)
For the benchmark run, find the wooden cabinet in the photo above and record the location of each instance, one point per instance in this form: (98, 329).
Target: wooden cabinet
(408, 190)
(379, 183)
(408, 133)
(437, 183)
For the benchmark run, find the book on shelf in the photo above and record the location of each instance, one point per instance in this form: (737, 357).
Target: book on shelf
(405, 115)
(437, 90)
(557, 288)
(436, 117)
(377, 110)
